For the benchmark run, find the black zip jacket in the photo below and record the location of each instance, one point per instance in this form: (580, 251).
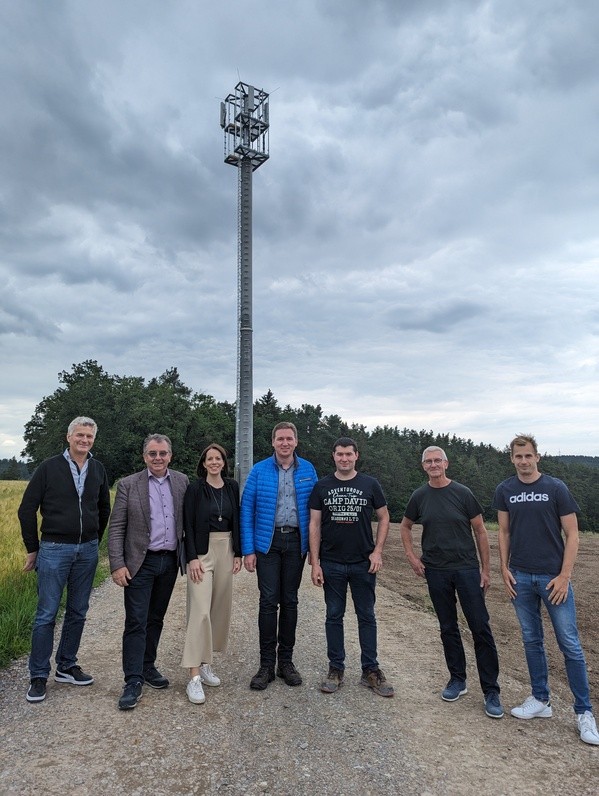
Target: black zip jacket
(64, 517)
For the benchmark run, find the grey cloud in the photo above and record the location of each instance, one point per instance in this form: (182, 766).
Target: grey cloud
(17, 318)
(436, 318)
(433, 168)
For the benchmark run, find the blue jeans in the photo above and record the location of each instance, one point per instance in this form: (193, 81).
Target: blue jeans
(146, 599)
(362, 584)
(59, 565)
(279, 576)
(530, 593)
(443, 585)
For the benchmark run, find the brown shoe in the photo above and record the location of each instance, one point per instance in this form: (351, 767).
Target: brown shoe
(333, 682)
(289, 673)
(375, 679)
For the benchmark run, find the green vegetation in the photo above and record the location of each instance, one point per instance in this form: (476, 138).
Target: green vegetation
(589, 461)
(18, 592)
(127, 408)
(12, 470)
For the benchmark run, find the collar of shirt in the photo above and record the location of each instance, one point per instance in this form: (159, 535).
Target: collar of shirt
(79, 475)
(279, 466)
(161, 479)
(69, 458)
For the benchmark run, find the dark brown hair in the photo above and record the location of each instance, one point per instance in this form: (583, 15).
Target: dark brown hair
(201, 470)
(345, 442)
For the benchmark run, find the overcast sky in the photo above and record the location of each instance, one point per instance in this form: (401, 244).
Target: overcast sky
(426, 231)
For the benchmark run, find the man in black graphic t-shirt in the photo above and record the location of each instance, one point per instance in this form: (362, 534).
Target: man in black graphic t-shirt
(342, 553)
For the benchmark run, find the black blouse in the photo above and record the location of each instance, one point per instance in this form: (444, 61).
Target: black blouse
(202, 507)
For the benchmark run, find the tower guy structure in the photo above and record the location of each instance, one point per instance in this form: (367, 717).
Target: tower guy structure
(244, 119)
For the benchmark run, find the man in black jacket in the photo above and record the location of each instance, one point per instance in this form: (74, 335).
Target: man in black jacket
(72, 494)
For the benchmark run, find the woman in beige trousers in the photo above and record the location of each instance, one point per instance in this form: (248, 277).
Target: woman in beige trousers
(213, 552)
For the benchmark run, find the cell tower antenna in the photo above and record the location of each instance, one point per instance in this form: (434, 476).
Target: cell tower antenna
(244, 116)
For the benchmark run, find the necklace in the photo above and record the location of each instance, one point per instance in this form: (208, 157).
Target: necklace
(220, 508)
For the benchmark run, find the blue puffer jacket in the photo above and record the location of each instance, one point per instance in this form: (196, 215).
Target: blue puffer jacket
(259, 504)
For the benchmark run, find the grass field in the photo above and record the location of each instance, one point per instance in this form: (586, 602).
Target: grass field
(18, 592)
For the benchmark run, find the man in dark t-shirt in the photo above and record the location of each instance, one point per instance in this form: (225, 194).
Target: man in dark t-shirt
(538, 544)
(449, 513)
(343, 553)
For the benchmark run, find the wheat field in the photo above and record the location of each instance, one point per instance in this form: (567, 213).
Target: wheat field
(18, 589)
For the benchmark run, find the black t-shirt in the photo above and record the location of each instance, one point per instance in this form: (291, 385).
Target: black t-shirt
(347, 508)
(445, 514)
(221, 509)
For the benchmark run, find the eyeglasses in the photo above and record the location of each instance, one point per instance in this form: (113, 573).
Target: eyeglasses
(428, 462)
(156, 454)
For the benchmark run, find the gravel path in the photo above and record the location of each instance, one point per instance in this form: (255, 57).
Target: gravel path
(284, 741)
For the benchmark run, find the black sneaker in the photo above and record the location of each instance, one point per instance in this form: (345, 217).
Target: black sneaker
(264, 676)
(333, 682)
(131, 695)
(154, 679)
(37, 690)
(74, 675)
(289, 673)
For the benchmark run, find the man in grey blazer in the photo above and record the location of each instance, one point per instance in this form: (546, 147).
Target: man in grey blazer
(145, 532)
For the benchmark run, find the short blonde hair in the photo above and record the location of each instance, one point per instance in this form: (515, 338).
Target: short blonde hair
(523, 439)
(281, 426)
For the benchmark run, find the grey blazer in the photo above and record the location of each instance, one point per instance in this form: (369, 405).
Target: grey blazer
(129, 528)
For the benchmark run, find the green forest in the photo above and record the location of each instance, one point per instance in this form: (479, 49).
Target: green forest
(13, 470)
(127, 408)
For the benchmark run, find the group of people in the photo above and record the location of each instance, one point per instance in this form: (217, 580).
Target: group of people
(535, 513)
(161, 525)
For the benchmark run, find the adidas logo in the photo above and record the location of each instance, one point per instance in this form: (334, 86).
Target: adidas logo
(530, 497)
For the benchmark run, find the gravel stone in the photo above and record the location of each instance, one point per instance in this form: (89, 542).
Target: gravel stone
(283, 741)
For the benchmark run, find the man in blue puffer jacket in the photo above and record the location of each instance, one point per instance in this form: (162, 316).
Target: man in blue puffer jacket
(274, 541)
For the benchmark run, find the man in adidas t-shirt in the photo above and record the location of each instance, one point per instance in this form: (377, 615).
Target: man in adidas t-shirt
(534, 510)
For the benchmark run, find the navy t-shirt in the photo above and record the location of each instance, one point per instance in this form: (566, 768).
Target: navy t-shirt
(445, 514)
(347, 508)
(536, 542)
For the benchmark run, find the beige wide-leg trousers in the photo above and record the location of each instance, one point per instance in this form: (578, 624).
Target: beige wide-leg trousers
(209, 603)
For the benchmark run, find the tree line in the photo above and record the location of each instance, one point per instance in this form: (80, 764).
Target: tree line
(127, 408)
(12, 470)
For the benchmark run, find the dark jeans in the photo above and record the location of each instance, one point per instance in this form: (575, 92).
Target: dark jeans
(362, 584)
(443, 585)
(279, 577)
(59, 565)
(146, 600)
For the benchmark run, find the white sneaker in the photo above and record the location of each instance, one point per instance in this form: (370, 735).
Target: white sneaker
(208, 676)
(532, 708)
(195, 692)
(588, 728)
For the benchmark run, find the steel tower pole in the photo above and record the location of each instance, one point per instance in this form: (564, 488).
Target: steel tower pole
(244, 425)
(244, 118)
